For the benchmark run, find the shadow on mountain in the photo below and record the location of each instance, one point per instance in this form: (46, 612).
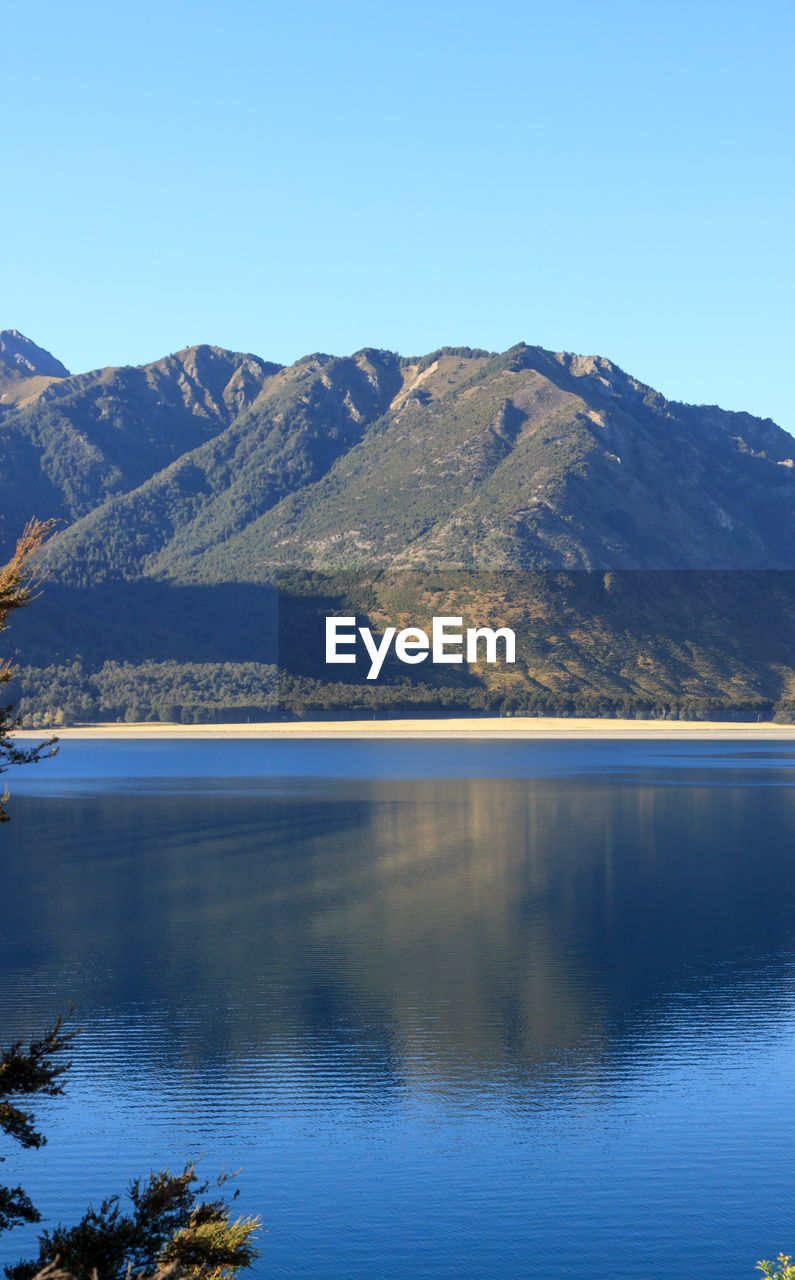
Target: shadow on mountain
(147, 620)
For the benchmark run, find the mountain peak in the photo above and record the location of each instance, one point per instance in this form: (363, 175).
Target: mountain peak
(26, 358)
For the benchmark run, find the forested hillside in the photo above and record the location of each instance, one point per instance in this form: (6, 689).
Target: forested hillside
(212, 504)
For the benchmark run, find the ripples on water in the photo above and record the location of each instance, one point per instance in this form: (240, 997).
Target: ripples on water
(528, 1013)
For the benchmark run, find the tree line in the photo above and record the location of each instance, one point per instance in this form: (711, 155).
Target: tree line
(173, 692)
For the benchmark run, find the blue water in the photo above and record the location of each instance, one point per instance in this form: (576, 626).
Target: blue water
(454, 1009)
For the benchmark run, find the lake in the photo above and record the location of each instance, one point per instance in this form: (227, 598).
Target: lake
(459, 1010)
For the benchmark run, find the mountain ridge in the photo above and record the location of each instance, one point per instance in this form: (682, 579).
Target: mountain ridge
(22, 355)
(203, 495)
(526, 458)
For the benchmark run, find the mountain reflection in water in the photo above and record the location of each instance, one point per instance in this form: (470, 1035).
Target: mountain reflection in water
(444, 1025)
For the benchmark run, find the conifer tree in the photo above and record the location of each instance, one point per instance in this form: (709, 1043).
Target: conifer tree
(19, 580)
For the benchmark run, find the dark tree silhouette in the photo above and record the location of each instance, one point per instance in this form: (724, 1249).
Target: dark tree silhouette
(24, 1072)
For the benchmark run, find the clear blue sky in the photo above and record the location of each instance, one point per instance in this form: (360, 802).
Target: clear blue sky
(284, 178)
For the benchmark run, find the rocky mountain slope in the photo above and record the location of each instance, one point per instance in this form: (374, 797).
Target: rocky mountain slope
(213, 462)
(194, 479)
(20, 358)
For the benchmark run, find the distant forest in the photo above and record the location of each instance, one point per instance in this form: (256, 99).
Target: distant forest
(237, 692)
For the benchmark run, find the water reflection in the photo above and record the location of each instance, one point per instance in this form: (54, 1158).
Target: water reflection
(477, 924)
(464, 975)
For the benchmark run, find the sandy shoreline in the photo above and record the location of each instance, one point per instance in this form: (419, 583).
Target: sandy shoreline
(529, 727)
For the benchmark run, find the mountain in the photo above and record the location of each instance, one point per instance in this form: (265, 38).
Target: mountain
(185, 485)
(291, 434)
(529, 459)
(21, 357)
(25, 371)
(536, 460)
(78, 440)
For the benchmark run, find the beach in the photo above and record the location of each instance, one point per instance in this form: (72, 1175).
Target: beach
(519, 727)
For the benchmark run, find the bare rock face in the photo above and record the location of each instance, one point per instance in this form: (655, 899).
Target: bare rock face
(24, 359)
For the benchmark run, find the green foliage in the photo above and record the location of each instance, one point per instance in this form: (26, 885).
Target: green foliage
(465, 353)
(168, 692)
(168, 1220)
(784, 712)
(635, 707)
(211, 1247)
(784, 1269)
